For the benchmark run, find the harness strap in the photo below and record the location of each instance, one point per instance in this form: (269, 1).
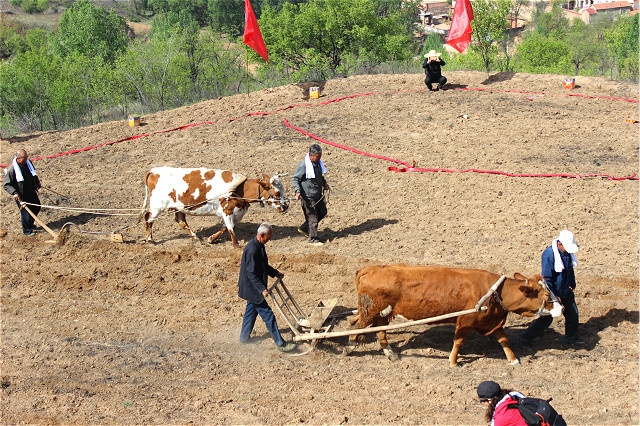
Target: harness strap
(492, 293)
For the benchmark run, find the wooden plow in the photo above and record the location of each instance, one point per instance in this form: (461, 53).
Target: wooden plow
(317, 325)
(61, 237)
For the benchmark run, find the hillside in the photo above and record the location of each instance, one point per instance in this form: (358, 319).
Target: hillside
(96, 332)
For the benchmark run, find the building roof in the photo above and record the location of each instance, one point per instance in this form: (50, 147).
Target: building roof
(612, 5)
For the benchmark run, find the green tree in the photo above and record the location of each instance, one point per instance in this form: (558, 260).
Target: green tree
(489, 26)
(31, 6)
(434, 42)
(12, 39)
(168, 21)
(622, 39)
(583, 45)
(325, 38)
(537, 54)
(228, 16)
(28, 83)
(91, 32)
(551, 24)
(197, 9)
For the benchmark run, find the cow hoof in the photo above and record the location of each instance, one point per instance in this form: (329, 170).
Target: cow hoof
(515, 362)
(456, 365)
(151, 242)
(391, 354)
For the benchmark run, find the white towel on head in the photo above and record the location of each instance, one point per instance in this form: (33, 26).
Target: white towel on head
(309, 173)
(558, 266)
(16, 168)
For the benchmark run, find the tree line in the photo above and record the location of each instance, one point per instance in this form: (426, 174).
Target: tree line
(90, 70)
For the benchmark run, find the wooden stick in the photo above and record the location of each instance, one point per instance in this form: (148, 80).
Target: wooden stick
(385, 327)
(41, 223)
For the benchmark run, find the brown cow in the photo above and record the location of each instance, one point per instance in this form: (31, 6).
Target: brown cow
(418, 292)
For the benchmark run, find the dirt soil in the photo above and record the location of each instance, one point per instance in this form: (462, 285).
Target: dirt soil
(98, 332)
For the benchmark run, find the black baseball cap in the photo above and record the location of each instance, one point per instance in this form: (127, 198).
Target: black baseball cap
(488, 389)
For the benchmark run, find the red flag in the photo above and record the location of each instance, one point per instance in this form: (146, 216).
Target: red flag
(252, 36)
(460, 31)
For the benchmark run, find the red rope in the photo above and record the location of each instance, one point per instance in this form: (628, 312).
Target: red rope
(75, 151)
(410, 168)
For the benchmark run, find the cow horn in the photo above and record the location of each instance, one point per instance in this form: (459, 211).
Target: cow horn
(542, 283)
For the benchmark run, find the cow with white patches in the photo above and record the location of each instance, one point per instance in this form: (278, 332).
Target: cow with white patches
(207, 192)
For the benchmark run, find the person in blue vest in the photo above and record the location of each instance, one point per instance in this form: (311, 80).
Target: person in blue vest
(252, 287)
(558, 261)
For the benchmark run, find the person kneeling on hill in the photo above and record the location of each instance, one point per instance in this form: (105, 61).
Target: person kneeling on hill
(431, 65)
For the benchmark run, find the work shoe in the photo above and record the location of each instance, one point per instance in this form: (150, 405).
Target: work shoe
(286, 347)
(315, 242)
(303, 233)
(576, 343)
(30, 234)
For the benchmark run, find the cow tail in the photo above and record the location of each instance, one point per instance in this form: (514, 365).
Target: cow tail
(146, 198)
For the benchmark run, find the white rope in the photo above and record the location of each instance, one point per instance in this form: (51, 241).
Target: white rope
(85, 210)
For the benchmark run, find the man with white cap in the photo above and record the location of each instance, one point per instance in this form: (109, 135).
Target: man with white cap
(431, 65)
(558, 261)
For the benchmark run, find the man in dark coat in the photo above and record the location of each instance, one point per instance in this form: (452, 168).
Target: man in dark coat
(309, 185)
(22, 182)
(252, 287)
(431, 65)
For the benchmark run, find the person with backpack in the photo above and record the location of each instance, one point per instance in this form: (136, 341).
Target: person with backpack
(497, 400)
(506, 407)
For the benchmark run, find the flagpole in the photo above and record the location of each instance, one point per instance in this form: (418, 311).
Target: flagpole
(246, 50)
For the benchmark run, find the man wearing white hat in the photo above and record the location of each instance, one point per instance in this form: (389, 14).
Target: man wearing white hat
(431, 65)
(558, 261)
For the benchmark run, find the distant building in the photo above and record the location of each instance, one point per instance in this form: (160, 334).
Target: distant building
(612, 8)
(583, 4)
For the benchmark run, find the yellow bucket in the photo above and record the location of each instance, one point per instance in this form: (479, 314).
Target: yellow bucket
(134, 120)
(314, 92)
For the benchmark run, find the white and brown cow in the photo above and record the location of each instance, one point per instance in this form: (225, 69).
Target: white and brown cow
(418, 292)
(207, 192)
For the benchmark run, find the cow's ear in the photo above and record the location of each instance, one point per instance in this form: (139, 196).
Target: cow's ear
(518, 276)
(527, 291)
(265, 179)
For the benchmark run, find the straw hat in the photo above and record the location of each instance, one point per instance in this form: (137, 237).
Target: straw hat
(432, 53)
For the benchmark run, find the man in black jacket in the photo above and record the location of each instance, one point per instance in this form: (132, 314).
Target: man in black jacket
(252, 287)
(431, 65)
(22, 182)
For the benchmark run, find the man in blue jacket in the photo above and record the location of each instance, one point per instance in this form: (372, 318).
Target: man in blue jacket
(558, 261)
(252, 287)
